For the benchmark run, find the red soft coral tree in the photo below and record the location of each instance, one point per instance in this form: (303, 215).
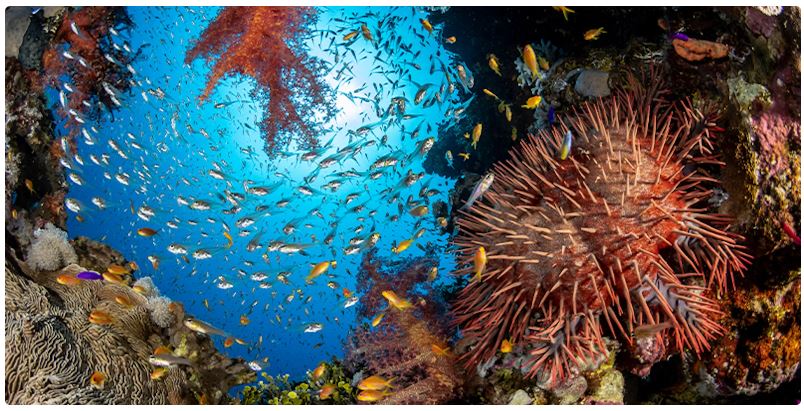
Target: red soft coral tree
(611, 237)
(410, 346)
(82, 51)
(263, 43)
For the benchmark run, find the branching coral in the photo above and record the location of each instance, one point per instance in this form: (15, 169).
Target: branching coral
(50, 249)
(601, 238)
(409, 345)
(264, 43)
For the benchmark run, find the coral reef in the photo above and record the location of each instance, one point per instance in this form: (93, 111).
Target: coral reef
(409, 345)
(280, 391)
(574, 243)
(264, 43)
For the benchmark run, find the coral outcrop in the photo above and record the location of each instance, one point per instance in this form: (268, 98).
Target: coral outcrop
(265, 43)
(410, 345)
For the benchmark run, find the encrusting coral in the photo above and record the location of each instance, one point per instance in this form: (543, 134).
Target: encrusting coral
(605, 236)
(265, 44)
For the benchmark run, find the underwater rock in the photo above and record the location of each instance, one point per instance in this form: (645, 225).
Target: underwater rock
(520, 397)
(570, 391)
(593, 83)
(606, 388)
(697, 50)
(17, 20)
(34, 43)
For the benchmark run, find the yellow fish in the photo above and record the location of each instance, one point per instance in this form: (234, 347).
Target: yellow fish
(366, 32)
(513, 133)
(318, 372)
(593, 34)
(146, 232)
(508, 112)
(376, 321)
(29, 185)
(480, 262)
(317, 270)
(374, 383)
(476, 134)
(433, 274)
(532, 102)
(114, 278)
(450, 40)
(427, 26)
(118, 269)
(99, 317)
(419, 211)
(506, 346)
(564, 10)
(158, 373)
(543, 63)
(566, 145)
(326, 391)
(442, 221)
(494, 64)
(396, 301)
(464, 155)
(123, 300)
(489, 93)
(371, 395)
(228, 342)
(98, 379)
(350, 35)
(529, 57)
(66, 279)
(402, 246)
(244, 320)
(228, 238)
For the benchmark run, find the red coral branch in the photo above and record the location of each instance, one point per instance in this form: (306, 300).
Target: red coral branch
(261, 42)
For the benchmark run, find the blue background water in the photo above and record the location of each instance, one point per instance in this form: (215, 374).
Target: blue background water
(174, 163)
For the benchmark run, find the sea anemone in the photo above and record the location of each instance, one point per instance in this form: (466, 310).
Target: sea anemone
(50, 249)
(605, 236)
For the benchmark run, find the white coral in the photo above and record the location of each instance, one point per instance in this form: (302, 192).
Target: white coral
(148, 285)
(50, 249)
(159, 308)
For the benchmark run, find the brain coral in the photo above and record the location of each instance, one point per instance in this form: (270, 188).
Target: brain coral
(612, 237)
(52, 349)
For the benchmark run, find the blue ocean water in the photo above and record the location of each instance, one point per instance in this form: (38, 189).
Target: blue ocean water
(150, 159)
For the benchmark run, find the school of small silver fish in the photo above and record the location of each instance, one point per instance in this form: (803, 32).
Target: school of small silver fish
(242, 232)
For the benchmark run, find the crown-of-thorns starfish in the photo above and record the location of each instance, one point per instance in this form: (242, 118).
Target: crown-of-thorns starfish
(605, 236)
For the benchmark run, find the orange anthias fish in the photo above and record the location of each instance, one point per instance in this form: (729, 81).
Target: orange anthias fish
(162, 349)
(593, 34)
(564, 10)
(228, 343)
(506, 346)
(114, 278)
(99, 317)
(350, 35)
(371, 395)
(480, 262)
(123, 300)
(396, 301)
(158, 373)
(317, 270)
(366, 32)
(376, 321)
(118, 269)
(347, 293)
(375, 382)
(98, 379)
(529, 57)
(244, 320)
(146, 232)
(67, 279)
(318, 372)
(427, 26)
(326, 391)
(229, 239)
